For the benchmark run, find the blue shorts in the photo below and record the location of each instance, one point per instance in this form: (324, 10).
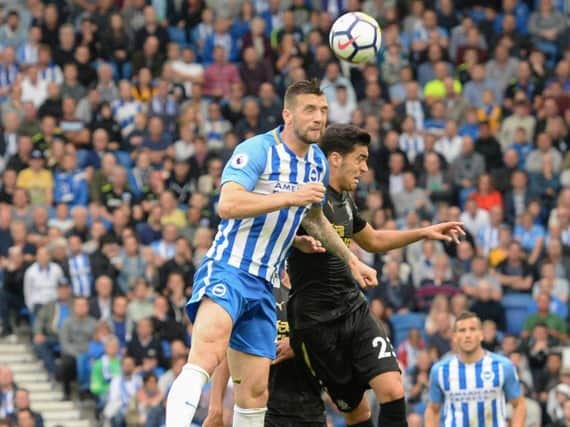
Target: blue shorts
(248, 300)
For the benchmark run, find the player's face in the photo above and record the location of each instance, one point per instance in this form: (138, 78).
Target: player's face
(353, 165)
(468, 335)
(309, 117)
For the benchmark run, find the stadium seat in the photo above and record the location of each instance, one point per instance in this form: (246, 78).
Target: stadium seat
(402, 323)
(517, 308)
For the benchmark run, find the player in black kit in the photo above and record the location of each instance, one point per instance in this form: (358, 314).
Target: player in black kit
(332, 329)
(294, 397)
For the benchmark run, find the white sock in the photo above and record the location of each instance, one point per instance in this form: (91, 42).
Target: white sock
(254, 417)
(184, 396)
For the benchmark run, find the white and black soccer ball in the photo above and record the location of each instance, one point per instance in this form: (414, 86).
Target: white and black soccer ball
(355, 37)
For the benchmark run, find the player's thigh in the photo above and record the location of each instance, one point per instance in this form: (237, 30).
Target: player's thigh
(250, 375)
(327, 358)
(374, 359)
(210, 335)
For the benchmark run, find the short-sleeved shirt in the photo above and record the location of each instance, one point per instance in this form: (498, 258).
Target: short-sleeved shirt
(474, 394)
(264, 164)
(37, 184)
(552, 321)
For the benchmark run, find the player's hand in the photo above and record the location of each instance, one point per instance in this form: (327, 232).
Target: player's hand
(284, 351)
(366, 276)
(446, 231)
(215, 418)
(308, 245)
(307, 194)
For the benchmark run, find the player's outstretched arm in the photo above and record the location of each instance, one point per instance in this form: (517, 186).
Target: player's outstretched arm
(220, 379)
(519, 412)
(237, 202)
(432, 415)
(372, 240)
(317, 225)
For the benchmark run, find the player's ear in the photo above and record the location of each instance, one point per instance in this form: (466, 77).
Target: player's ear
(334, 159)
(287, 116)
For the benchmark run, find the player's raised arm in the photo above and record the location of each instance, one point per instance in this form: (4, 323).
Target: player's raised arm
(372, 240)
(317, 225)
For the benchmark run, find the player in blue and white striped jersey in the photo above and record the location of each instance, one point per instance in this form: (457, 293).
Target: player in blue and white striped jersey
(470, 388)
(271, 185)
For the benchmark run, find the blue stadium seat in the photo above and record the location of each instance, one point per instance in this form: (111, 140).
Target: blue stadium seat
(517, 308)
(402, 323)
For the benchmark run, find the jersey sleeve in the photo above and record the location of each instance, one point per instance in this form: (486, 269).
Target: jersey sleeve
(512, 384)
(358, 223)
(435, 392)
(247, 163)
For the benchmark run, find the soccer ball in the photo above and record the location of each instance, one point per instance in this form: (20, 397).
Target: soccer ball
(355, 37)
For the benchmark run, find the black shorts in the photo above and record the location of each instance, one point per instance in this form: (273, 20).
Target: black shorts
(277, 421)
(345, 354)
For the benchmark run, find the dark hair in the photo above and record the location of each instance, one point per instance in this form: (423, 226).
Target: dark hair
(341, 139)
(302, 87)
(464, 316)
(147, 376)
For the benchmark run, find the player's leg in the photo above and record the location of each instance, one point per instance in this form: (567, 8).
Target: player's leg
(252, 348)
(213, 309)
(375, 361)
(210, 337)
(389, 391)
(250, 375)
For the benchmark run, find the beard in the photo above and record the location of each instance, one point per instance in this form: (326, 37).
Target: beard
(304, 136)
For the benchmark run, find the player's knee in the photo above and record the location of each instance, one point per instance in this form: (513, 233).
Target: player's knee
(388, 387)
(252, 394)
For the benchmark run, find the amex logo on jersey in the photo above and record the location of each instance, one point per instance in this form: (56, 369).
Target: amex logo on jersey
(285, 187)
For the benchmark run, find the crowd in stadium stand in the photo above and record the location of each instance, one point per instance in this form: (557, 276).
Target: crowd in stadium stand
(117, 117)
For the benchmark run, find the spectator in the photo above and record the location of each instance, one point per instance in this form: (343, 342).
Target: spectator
(475, 218)
(220, 75)
(530, 236)
(487, 306)
(37, 180)
(8, 388)
(13, 290)
(518, 197)
(22, 403)
(41, 281)
(122, 389)
(104, 370)
(146, 406)
(411, 198)
(514, 273)
(140, 306)
(74, 337)
(544, 148)
(397, 294)
(554, 323)
(101, 304)
(70, 184)
(144, 340)
(466, 168)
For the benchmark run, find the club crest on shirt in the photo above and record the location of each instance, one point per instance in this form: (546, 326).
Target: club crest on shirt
(239, 161)
(487, 376)
(313, 174)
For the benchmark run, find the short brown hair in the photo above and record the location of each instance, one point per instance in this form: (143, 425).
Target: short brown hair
(302, 87)
(464, 316)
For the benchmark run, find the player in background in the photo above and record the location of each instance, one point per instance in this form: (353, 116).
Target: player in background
(272, 183)
(473, 385)
(332, 329)
(294, 397)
